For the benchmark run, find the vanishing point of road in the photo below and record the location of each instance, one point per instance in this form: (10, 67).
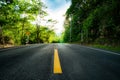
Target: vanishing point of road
(58, 62)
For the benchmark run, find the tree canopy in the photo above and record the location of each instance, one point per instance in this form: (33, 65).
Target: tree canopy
(16, 26)
(93, 21)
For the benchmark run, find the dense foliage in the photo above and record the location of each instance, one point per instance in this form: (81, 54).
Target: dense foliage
(15, 22)
(93, 21)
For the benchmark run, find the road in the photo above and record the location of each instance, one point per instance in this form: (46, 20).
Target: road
(36, 62)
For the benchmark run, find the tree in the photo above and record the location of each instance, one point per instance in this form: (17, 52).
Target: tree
(94, 21)
(16, 17)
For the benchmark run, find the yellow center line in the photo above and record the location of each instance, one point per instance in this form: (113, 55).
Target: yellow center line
(57, 67)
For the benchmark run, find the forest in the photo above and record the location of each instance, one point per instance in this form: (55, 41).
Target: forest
(86, 22)
(93, 22)
(16, 28)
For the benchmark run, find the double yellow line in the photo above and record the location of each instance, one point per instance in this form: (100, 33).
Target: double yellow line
(57, 67)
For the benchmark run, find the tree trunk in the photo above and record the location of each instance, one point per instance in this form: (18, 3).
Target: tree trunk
(3, 41)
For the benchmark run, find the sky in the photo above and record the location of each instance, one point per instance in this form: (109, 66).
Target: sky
(56, 10)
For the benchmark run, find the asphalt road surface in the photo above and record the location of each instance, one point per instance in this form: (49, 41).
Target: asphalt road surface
(35, 62)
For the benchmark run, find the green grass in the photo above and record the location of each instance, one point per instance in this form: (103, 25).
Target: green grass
(110, 48)
(105, 47)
